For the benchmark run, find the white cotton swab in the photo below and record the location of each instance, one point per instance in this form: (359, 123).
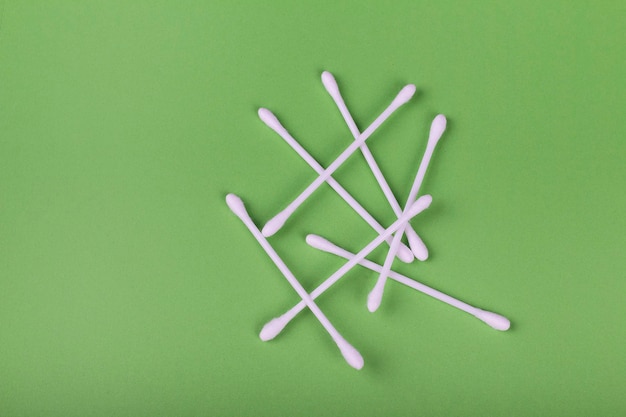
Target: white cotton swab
(404, 253)
(274, 224)
(276, 325)
(351, 355)
(416, 243)
(437, 128)
(494, 320)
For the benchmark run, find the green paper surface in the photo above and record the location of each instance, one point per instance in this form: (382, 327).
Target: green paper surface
(127, 287)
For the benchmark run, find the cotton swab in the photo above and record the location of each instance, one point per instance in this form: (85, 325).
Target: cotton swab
(494, 320)
(417, 245)
(274, 224)
(351, 355)
(437, 128)
(273, 123)
(276, 325)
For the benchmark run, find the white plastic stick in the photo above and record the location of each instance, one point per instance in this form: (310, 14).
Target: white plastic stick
(276, 325)
(417, 245)
(494, 320)
(436, 130)
(274, 224)
(351, 355)
(404, 253)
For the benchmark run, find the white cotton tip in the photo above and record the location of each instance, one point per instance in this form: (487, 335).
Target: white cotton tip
(272, 328)
(236, 205)
(274, 224)
(330, 84)
(405, 254)
(320, 243)
(420, 205)
(269, 119)
(404, 95)
(437, 127)
(494, 320)
(351, 355)
(375, 298)
(417, 245)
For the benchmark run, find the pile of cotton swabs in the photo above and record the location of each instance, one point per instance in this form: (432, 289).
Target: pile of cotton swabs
(392, 235)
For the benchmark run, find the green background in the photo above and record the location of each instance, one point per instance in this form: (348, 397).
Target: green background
(127, 288)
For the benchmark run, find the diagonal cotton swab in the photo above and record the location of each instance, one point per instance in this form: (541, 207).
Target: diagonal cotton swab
(416, 243)
(274, 224)
(437, 128)
(404, 253)
(351, 355)
(494, 320)
(276, 325)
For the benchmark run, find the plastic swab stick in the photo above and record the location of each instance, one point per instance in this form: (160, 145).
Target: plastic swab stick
(276, 325)
(494, 320)
(436, 130)
(274, 224)
(404, 253)
(351, 355)
(416, 243)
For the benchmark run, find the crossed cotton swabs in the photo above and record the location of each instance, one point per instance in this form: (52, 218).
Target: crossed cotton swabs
(392, 234)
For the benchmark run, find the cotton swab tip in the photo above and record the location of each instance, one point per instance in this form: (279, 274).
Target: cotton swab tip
(405, 254)
(419, 248)
(236, 205)
(269, 119)
(319, 242)
(494, 320)
(404, 95)
(272, 328)
(350, 354)
(274, 224)
(330, 84)
(421, 204)
(374, 299)
(437, 127)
